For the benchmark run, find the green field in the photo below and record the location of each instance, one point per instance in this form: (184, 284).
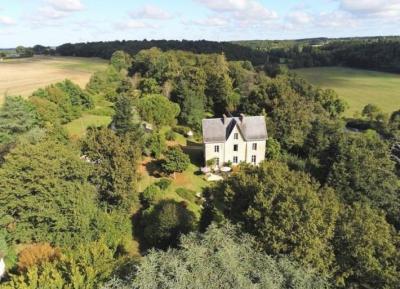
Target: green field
(357, 87)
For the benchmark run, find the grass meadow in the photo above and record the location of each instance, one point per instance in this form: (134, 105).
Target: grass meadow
(357, 87)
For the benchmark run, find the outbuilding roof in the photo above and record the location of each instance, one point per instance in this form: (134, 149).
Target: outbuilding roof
(252, 128)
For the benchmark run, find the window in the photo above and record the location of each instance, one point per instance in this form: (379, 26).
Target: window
(216, 149)
(253, 159)
(235, 160)
(217, 161)
(254, 146)
(235, 135)
(235, 147)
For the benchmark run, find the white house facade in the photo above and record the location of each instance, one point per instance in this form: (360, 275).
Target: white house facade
(234, 139)
(2, 268)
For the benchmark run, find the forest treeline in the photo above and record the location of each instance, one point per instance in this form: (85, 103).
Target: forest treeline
(382, 55)
(322, 211)
(377, 53)
(106, 49)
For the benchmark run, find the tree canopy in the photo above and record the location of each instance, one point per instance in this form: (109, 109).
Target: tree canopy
(46, 195)
(114, 160)
(16, 116)
(175, 160)
(164, 223)
(286, 211)
(363, 171)
(367, 249)
(158, 110)
(221, 258)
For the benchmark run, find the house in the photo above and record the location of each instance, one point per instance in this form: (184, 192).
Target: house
(234, 139)
(2, 266)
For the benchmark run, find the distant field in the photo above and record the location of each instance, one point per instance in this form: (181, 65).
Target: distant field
(23, 76)
(357, 87)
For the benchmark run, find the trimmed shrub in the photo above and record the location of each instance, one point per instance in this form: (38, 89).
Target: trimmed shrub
(150, 195)
(170, 135)
(164, 183)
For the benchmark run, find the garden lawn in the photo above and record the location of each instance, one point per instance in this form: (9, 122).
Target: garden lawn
(77, 127)
(190, 179)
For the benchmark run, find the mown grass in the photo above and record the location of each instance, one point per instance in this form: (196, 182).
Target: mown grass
(357, 87)
(77, 127)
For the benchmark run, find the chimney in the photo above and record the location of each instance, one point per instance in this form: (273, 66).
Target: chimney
(241, 117)
(224, 118)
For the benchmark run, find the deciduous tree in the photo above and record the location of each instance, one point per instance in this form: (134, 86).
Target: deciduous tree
(114, 160)
(164, 222)
(175, 160)
(221, 258)
(286, 211)
(158, 110)
(363, 171)
(17, 116)
(45, 194)
(121, 60)
(366, 249)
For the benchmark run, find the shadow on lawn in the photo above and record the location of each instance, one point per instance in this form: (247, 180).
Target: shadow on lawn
(195, 152)
(154, 168)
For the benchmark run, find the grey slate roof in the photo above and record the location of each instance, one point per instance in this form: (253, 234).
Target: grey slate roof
(253, 128)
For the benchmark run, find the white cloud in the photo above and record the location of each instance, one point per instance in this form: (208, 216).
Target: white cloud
(150, 12)
(211, 21)
(241, 12)
(371, 8)
(299, 18)
(336, 19)
(225, 5)
(66, 5)
(5, 20)
(349, 14)
(53, 12)
(302, 19)
(48, 12)
(255, 11)
(134, 24)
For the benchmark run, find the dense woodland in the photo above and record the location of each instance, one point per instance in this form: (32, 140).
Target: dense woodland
(381, 54)
(106, 49)
(377, 53)
(321, 212)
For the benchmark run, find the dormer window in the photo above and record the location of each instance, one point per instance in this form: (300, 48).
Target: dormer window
(235, 135)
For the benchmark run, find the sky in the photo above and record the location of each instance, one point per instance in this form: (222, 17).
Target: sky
(54, 22)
